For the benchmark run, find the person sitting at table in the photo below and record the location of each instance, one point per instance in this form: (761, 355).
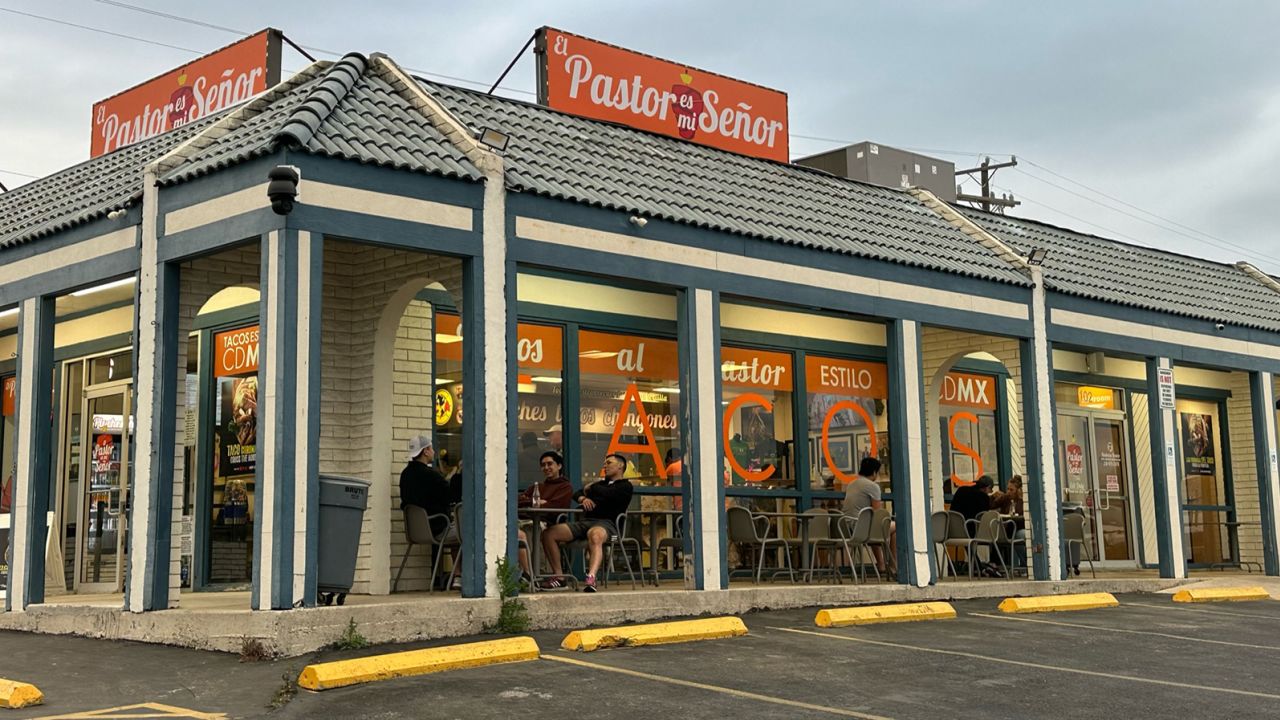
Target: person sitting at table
(862, 493)
(1009, 502)
(554, 492)
(602, 502)
(973, 500)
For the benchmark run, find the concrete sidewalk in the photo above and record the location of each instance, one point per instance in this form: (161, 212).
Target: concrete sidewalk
(421, 616)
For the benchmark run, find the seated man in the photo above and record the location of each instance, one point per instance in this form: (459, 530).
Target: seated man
(862, 493)
(553, 492)
(422, 485)
(602, 502)
(973, 500)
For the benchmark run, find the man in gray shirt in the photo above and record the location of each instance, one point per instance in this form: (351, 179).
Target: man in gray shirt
(864, 492)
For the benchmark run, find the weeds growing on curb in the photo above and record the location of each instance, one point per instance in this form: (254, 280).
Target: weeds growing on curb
(288, 688)
(252, 650)
(351, 639)
(513, 617)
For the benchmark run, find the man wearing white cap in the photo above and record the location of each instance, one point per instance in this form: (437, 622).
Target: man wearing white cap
(423, 485)
(555, 436)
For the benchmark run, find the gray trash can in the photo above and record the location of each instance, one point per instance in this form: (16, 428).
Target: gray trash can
(342, 504)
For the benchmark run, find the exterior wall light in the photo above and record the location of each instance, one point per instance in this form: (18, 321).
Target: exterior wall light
(494, 139)
(1036, 257)
(639, 221)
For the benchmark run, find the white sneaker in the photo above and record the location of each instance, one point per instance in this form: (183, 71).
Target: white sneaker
(456, 584)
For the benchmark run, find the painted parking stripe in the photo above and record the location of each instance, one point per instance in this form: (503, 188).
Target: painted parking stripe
(716, 688)
(1038, 666)
(1183, 608)
(1082, 626)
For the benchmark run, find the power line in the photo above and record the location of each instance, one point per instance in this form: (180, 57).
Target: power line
(19, 174)
(312, 48)
(1131, 205)
(1219, 244)
(99, 30)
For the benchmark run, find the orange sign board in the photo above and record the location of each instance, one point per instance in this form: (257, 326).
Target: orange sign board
(846, 377)
(10, 391)
(235, 352)
(585, 77)
(538, 347)
(627, 355)
(966, 390)
(202, 87)
(1098, 398)
(745, 367)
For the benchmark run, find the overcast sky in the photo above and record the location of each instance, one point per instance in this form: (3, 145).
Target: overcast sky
(1151, 122)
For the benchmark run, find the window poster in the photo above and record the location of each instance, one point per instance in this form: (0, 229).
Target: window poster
(1197, 444)
(237, 434)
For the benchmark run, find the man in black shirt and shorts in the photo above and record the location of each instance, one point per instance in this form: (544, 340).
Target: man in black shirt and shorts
(602, 502)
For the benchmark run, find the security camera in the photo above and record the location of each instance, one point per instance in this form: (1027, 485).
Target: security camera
(1219, 326)
(639, 221)
(282, 189)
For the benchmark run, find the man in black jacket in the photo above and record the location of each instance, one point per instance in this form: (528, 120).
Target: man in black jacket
(602, 502)
(422, 485)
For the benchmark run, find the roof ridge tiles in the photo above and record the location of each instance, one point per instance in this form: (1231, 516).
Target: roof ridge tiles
(338, 80)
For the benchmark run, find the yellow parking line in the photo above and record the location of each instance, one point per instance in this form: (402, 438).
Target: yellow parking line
(1082, 626)
(1038, 666)
(716, 688)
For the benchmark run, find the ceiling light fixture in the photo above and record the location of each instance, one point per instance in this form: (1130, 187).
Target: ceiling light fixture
(100, 288)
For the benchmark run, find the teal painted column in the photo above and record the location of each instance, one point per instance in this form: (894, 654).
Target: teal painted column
(1262, 395)
(706, 537)
(909, 454)
(1165, 475)
(33, 407)
(286, 477)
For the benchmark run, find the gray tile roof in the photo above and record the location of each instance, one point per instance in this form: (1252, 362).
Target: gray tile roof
(610, 166)
(84, 192)
(1111, 271)
(345, 111)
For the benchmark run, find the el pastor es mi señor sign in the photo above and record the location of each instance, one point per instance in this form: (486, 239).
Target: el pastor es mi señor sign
(585, 77)
(202, 87)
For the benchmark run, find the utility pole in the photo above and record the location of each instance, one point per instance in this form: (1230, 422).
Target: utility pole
(986, 200)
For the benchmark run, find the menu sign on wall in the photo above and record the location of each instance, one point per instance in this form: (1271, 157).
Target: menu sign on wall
(202, 87)
(586, 77)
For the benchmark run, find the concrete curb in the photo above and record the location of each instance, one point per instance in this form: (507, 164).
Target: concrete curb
(324, 676)
(1226, 594)
(1056, 603)
(654, 634)
(14, 694)
(907, 612)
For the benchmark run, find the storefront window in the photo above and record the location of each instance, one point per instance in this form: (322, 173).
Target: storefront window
(1204, 485)
(757, 389)
(630, 403)
(848, 420)
(111, 368)
(235, 454)
(539, 383)
(967, 413)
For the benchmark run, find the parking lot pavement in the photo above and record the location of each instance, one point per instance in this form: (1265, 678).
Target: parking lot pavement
(1147, 658)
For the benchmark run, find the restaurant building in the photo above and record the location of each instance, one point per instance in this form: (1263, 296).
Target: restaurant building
(180, 362)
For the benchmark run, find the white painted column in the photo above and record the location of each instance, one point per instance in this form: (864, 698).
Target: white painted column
(707, 513)
(1041, 404)
(908, 446)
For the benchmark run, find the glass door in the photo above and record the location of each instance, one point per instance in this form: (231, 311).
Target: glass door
(1094, 471)
(107, 435)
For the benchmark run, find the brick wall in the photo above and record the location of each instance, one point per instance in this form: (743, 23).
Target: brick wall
(1244, 467)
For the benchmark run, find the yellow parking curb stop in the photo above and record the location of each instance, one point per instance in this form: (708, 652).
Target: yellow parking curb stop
(1055, 603)
(15, 694)
(905, 612)
(654, 634)
(1226, 594)
(323, 676)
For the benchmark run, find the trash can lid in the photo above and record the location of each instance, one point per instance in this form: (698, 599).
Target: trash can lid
(344, 480)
